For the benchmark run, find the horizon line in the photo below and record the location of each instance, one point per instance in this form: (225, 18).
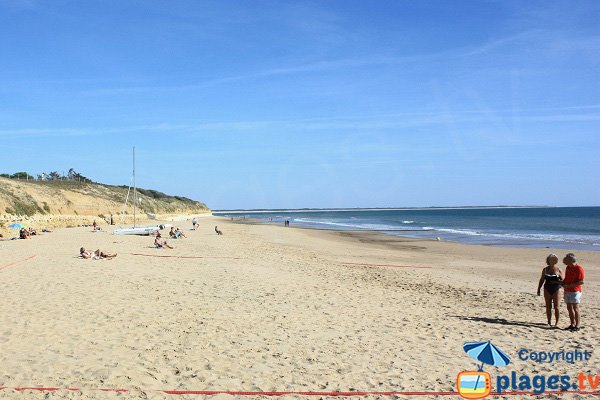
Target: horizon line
(257, 210)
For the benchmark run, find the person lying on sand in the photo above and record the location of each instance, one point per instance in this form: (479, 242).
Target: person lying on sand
(161, 244)
(95, 255)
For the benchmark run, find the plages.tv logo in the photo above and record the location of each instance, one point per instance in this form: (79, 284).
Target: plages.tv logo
(478, 384)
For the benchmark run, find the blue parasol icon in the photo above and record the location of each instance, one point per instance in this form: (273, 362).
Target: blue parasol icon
(487, 353)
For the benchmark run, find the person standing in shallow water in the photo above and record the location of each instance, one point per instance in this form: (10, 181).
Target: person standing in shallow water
(573, 284)
(551, 279)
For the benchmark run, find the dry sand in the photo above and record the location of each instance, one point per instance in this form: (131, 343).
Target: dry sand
(267, 308)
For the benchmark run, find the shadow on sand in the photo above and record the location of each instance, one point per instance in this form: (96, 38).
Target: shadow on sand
(503, 321)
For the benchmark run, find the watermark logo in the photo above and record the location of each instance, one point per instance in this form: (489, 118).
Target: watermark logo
(474, 384)
(478, 384)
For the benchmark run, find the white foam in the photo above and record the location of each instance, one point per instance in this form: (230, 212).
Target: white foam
(363, 226)
(576, 239)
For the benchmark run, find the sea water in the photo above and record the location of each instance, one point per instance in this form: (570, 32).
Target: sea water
(575, 228)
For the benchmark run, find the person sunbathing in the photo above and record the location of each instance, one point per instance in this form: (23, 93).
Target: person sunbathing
(161, 244)
(95, 255)
(179, 233)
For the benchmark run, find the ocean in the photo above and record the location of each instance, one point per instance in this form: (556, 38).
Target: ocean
(572, 228)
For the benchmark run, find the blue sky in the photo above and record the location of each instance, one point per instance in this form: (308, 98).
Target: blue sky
(338, 103)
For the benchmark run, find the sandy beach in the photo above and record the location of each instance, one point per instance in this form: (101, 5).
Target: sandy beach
(269, 309)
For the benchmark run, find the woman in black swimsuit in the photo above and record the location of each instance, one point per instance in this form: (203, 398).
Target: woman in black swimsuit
(551, 279)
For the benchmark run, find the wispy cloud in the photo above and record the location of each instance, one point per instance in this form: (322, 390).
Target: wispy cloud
(372, 122)
(528, 39)
(44, 132)
(499, 43)
(314, 67)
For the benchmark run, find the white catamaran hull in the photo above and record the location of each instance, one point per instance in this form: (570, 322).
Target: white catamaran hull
(142, 230)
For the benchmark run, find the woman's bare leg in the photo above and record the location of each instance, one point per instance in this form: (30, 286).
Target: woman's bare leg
(548, 300)
(556, 301)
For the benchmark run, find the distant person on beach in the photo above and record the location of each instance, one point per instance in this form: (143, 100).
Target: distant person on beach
(573, 285)
(194, 224)
(95, 255)
(217, 231)
(176, 233)
(161, 244)
(24, 234)
(551, 279)
(112, 221)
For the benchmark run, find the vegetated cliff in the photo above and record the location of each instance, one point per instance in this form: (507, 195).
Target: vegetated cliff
(71, 203)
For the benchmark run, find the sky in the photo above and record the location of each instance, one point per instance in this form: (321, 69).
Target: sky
(293, 104)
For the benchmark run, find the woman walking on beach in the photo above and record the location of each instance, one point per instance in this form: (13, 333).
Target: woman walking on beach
(551, 279)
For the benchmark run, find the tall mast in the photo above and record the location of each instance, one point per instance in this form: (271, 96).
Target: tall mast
(134, 189)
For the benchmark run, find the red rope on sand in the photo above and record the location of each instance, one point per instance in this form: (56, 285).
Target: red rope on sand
(383, 265)
(277, 394)
(240, 393)
(167, 256)
(331, 394)
(18, 262)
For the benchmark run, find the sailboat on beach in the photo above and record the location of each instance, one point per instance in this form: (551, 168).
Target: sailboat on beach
(136, 230)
